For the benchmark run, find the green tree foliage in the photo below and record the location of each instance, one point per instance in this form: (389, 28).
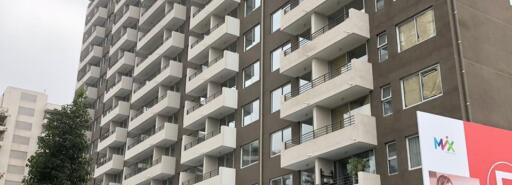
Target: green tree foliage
(61, 157)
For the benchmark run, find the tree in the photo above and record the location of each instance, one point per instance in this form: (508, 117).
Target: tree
(61, 157)
(356, 165)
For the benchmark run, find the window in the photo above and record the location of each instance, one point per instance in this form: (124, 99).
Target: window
(251, 112)
(276, 56)
(251, 5)
(277, 96)
(379, 5)
(22, 125)
(385, 99)
(251, 74)
(28, 97)
(20, 155)
(252, 37)
(250, 154)
(276, 20)
(421, 86)
(20, 170)
(416, 30)
(283, 180)
(20, 139)
(392, 158)
(26, 111)
(382, 46)
(413, 152)
(278, 138)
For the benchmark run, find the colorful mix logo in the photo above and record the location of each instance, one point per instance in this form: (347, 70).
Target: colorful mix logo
(444, 144)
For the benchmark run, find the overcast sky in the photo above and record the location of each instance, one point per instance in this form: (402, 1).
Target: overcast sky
(40, 42)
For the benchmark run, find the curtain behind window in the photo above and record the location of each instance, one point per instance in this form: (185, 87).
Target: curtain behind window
(431, 81)
(411, 89)
(426, 26)
(414, 152)
(407, 34)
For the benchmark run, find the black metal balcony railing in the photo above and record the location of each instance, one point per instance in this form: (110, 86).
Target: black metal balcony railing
(211, 30)
(204, 67)
(318, 81)
(201, 139)
(202, 177)
(140, 139)
(108, 134)
(197, 12)
(348, 121)
(148, 106)
(204, 101)
(308, 38)
(345, 180)
(139, 170)
(104, 160)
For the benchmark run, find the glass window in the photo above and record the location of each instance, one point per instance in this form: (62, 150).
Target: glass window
(252, 37)
(307, 177)
(382, 46)
(251, 112)
(28, 97)
(22, 125)
(20, 170)
(392, 158)
(26, 111)
(386, 96)
(20, 155)
(251, 5)
(276, 20)
(379, 5)
(251, 74)
(277, 140)
(283, 180)
(250, 154)
(20, 139)
(276, 56)
(413, 152)
(422, 86)
(277, 96)
(418, 29)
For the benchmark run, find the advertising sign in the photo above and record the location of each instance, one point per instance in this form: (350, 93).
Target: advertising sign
(455, 152)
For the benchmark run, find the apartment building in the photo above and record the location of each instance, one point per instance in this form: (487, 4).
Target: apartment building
(21, 123)
(244, 92)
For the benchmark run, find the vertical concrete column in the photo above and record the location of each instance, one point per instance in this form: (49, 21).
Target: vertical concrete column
(158, 152)
(190, 71)
(215, 20)
(156, 182)
(213, 54)
(318, 21)
(212, 125)
(321, 117)
(319, 68)
(213, 88)
(210, 163)
(160, 121)
(324, 165)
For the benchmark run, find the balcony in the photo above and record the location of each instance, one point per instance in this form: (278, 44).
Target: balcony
(218, 70)
(123, 65)
(110, 165)
(219, 36)
(158, 169)
(122, 88)
(327, 43)
(119, 112)
(200, 19)
(95, 37)
(149, 40)
(356, 133)
(163, 136)
(216, 106)
(96, 3)
(127, 41)
(171, 46)
(130, 17)
(169, 75)
(91, 76)
(96, 18)
(91, 94)
(115, 138)
(330, 90)
(93, 56)
(215, 143)
(165, 105)
(221, 176)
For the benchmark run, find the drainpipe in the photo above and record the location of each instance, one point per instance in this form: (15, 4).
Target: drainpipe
(459, 63)
(262, 69)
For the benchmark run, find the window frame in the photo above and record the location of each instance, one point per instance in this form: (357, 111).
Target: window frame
(282, 139)
(281, 89)
(282, 179)
(409, 154)
(419, 73)
(377, 7)
(245, 85)
(386, 99)
(252, 29)
(242, 154)
(388, 158)
(381, 46)
(246, 13)
(280, 50)
(414, 18)
(243, 112)
(281, 11)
